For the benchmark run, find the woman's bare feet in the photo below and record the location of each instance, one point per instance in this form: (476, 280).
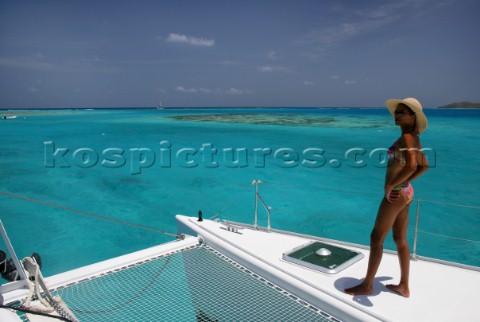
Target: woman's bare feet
(399, 289)
(360, 289)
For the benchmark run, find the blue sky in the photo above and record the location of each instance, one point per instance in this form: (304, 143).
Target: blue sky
(70, 54)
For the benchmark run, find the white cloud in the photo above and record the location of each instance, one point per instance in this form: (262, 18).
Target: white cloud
(272, 55)
(309, 83)
(346, 24)
(350, 82)
(234, 91)
(185, 90)
(334, 77)
(269, 69)
(230, 91)
(194, 41)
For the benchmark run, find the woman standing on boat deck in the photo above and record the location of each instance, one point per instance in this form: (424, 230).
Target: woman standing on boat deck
(406, 162)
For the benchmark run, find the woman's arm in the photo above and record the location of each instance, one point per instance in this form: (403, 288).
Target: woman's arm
(413, 168)
(422, 166)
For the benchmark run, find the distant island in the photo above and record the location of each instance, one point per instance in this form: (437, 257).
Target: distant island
(461, 105)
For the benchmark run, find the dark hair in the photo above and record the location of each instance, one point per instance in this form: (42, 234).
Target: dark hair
(408, 107)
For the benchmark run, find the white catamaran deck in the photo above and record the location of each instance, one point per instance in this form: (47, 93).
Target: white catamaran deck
(209, 289)
(439, 292)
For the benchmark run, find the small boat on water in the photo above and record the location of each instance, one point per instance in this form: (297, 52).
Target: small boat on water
(9, 117)
(218, 270)
(160, 106)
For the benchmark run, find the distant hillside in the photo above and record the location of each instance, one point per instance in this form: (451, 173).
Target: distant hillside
(462, 105)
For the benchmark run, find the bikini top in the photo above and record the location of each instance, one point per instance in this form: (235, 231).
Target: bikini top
(394, 152)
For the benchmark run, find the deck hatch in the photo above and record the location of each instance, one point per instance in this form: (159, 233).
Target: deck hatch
(308, 255)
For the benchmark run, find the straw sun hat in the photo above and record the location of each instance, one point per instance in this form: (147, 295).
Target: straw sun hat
(415, 106)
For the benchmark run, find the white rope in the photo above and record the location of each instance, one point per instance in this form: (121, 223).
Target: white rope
(34, 289)
(47, 301)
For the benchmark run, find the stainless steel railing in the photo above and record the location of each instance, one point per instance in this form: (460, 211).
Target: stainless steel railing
(417, 229)
(267, 208)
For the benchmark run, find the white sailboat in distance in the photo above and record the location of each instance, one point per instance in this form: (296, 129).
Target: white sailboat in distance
(159, 105)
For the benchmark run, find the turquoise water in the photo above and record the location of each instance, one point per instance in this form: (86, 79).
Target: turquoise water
(145, 166)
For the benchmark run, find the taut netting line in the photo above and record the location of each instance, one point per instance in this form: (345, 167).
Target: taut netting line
(81, 212)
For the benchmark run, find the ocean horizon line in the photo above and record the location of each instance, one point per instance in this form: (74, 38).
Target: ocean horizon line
(201, 108)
